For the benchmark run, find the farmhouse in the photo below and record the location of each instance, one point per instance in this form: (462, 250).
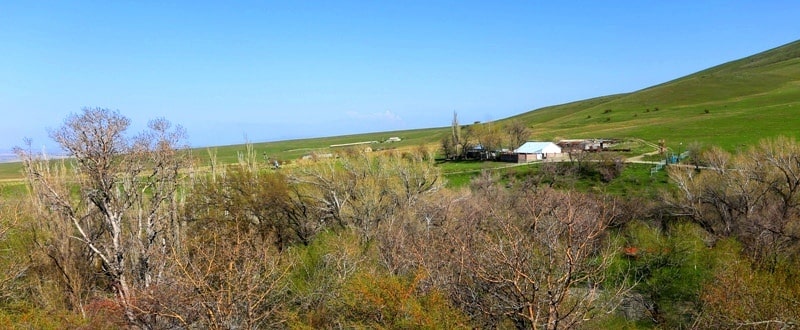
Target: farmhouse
(478, 152)
(589, 145)
(532, 150)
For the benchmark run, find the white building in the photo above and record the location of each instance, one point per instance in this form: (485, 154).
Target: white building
(533, 150)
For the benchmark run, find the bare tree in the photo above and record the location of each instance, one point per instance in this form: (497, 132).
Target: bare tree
(459, 141)
(118, 198)
(456, 133)
(64, 260)
(243, 196)
(361, 191)
(449, 148)
(227, 279)
(753, 196)
(489, 136)
(518, 132)
(534, 258)
(452, 144)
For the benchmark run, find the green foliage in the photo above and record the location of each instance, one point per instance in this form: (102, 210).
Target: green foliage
(13, 251)
(744, 295)
(336, 282)
(383, 301)
(616, 321)
(25, 316)
(320, 271)
(669, 268)
(254, 198)
(325, 262)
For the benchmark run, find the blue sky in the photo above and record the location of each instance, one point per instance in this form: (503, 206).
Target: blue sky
(274, 70)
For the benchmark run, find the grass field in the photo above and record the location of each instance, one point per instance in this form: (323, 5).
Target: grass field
(294, 149)
(10, 172)
(635, 179)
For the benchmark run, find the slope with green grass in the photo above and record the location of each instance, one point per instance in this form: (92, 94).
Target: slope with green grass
(731, 105)
(293, 149)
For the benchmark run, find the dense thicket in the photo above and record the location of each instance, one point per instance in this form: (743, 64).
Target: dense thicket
(118, 237)
(753, 196)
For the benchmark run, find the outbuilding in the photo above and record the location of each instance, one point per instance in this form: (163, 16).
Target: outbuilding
(533, 150)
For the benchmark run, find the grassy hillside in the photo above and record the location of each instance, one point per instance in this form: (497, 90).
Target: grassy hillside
(730, 105)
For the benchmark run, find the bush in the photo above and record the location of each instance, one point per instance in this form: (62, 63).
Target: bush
(742, 295)
(669, 269)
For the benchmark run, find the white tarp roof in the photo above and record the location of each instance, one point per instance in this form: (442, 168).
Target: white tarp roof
(532, 147)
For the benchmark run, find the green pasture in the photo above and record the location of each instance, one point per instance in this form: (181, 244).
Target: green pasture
(732, 105)
(10, 171)
(295, 149)
(635, 179)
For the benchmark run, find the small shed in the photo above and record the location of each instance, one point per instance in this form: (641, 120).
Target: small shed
(533, 150)
(588, 145)
(480, 153)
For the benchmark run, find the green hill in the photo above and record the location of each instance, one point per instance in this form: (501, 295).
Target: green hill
(730, 105)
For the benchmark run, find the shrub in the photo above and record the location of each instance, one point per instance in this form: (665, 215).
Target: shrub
(669, 268)
(742, 296)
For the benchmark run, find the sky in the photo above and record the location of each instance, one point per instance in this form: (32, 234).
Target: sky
(237, 71)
